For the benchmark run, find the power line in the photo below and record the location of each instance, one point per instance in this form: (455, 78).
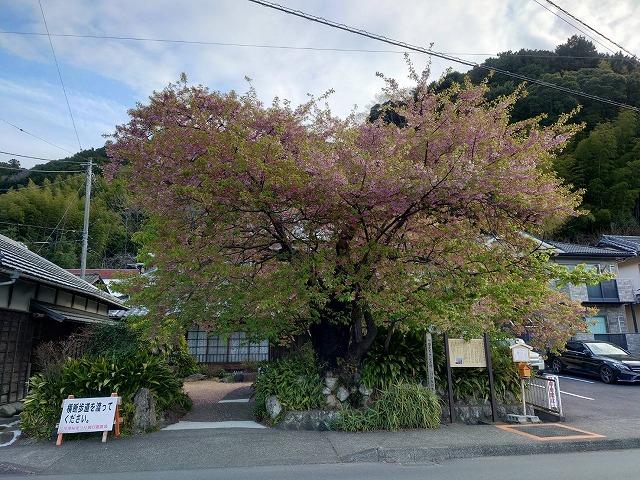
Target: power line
(382, 38)
(575, 26)
(61, 219)
(288, 47)
(591, 28)
(44, 185)
(55, 59)
(35, 136)
(41, 158)
(39, 226)
(41, 171)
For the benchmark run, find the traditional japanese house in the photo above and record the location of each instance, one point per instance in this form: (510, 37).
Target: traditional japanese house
(39, 301)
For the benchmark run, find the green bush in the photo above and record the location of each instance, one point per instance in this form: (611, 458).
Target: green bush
(114, 341)
(179, 359)
(120, 341)
(398, 406)
(295, 380)
(404, 361)
(99, 377)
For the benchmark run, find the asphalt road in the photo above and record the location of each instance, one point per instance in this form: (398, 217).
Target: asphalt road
(621, 465)
(585, 398)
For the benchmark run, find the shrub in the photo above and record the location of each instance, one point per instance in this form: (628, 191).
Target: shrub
(114, 341)
(404, 361)
(95, 377)
(398, 406)
(294, 379)
(179, 359)
(48, 355)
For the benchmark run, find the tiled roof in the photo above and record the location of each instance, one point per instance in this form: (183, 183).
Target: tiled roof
(623, 242)
(16, 256)
(574, 249)
(62, 314)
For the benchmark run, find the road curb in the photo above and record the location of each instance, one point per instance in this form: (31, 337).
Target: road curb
(430, 455)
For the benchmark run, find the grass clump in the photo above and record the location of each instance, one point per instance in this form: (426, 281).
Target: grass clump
(399, 406)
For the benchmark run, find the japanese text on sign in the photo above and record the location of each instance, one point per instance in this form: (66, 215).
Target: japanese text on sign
(467, 353)
(87, 414)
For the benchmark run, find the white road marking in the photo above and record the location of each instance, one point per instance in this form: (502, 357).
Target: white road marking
(576, 379)
(229, 424)
(235, 400)
(575, 395)
(16, 434)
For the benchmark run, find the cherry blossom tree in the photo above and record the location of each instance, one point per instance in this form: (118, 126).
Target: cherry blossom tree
(283, 221)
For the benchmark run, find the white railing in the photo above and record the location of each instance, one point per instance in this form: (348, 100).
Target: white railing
(543, 392)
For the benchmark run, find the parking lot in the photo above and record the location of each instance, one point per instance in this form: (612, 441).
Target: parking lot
(586, 398)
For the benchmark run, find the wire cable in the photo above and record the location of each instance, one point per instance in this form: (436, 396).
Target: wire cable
(64, 90)
(41, 171)
(61, 219)
(35, 136)
(591, 28)
(576, 27)
(44, 185)
(39, 226)
(382, 38)
(287, 47)
(41, 158)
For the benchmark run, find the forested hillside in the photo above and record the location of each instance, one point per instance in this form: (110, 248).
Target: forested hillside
(604, 158)
(45, 211)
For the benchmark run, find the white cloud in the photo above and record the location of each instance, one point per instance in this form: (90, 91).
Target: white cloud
(484, 26)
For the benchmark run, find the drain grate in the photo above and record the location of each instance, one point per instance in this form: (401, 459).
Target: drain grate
(551, 431)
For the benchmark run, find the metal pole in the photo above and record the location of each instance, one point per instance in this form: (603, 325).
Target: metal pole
(492, 389)
(452, 413)
(85, 228)
(524, 400)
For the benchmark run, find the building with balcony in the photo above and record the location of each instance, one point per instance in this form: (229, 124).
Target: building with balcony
(614, 299)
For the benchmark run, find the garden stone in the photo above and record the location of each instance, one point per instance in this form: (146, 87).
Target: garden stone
(365, 401)
(238, 377)
(195, 377)
(19, 407)
(331, 382)
(342, 393)
(273, 406)
(364, 391)
(8, 410)
(319, 420)
(144, 415)
(326, 391)
(332, 401)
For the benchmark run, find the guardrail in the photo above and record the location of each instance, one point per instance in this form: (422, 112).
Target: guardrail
(543, 392)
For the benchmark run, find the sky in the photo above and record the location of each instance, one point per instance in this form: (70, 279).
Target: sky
(105, 77)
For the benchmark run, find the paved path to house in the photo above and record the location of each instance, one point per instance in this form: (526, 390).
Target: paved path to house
(218, 405)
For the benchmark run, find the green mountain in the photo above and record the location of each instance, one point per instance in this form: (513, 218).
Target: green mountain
(46, 210)
(604, 158)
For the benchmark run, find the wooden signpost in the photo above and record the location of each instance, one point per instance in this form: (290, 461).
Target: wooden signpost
(98, 414)
(473, 353)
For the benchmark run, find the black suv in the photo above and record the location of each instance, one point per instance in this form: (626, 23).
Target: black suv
(602, 359)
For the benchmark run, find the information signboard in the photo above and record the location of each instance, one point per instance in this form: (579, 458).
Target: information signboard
(467, 353)
(88, 414)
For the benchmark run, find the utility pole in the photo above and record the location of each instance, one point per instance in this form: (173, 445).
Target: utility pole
(85, 228)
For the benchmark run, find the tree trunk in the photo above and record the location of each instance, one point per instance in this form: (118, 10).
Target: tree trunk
(343, 335)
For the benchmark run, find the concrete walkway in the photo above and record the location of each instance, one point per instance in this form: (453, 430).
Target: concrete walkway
(217, 405)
